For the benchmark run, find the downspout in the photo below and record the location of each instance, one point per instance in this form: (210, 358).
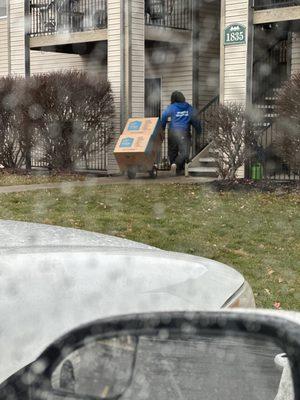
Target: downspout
(196, 50)
(222, 50)
(196, 58)
(8, 38)
(249, 77)
(250, 44)
(27, 26)
(126, 64)
(122, 65)
(129, 58)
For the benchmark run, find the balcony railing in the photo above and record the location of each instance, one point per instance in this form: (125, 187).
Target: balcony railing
(265, 4)
(176, 14)
(64, 16)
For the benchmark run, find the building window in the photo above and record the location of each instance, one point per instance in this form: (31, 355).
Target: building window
(2, 8)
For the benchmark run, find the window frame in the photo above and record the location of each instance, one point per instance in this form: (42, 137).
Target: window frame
(5, 9)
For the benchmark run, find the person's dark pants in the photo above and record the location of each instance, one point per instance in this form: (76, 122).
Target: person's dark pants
(179, 144)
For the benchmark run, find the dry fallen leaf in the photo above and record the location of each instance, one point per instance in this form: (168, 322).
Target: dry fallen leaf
(277, 305)
(240, 252)
(267, 291)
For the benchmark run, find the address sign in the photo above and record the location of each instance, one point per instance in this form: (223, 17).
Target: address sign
(235, 34)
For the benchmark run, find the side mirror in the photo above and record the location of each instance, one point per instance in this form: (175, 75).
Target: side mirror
(286, 389)
(211, 356)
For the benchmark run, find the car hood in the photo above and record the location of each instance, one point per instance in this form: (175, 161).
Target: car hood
(50, 290)
(16, 234)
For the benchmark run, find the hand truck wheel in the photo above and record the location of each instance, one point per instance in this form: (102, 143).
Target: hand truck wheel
(153, 172)
(131, 173)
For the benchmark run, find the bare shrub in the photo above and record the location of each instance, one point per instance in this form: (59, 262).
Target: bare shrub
(287, 142)
(73, 113)
(233, 134)
(16, 137)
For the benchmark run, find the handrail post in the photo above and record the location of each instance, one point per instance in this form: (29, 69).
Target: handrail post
(27, 30)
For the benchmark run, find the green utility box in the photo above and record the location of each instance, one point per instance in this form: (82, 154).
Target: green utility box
(256, 172)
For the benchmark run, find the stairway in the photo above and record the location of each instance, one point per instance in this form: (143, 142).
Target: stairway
(203, 165)
(267, 107)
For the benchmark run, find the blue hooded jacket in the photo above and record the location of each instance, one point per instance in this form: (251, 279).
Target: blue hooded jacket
(182, 116)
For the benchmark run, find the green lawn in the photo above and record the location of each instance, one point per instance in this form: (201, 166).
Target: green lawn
(9, 179)
(258, 234)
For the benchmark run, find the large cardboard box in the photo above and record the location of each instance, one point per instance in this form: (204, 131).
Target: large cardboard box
(139, 145)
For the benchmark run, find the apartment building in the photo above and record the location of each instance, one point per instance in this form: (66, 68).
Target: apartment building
(212, 50)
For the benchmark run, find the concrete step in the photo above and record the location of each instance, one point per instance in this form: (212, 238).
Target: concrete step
(203, 171)
(207, 160)
(266, 106)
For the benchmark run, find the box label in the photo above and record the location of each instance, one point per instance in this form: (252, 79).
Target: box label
(126, 143)
(134, 126)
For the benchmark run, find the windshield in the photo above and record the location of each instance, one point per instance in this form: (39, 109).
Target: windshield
(149, 162)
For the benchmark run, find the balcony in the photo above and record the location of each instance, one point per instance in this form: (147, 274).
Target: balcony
(269, 4)
(50, 17)
(63, 25)
(175, 14)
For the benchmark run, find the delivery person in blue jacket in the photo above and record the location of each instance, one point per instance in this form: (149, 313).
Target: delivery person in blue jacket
(181, 116)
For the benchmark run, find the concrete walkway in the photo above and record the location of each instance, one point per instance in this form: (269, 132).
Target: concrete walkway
(163, 178)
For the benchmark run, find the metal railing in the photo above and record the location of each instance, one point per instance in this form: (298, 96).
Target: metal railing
(95, 159)
(163, 161)
(265, 4)
(55, 16)
(176, 14)
(205, 114)
(200, 142)
(273, 167)
(270, 71)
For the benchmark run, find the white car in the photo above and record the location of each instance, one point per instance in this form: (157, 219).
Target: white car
(54, 279)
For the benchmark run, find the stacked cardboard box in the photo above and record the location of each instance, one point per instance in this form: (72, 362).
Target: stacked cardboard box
(138, 147)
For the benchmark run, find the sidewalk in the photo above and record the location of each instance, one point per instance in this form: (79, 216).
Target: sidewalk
(163, 178)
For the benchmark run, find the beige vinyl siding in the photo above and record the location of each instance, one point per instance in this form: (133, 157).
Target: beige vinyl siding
(133, 58)
(234, 73)
(3, 47)
(295, 65)
(209, 45)
(114, 52)
(42, 62)
(175, 70)
(114, 69)
(137, 61)
(235, 56)
(17, 37)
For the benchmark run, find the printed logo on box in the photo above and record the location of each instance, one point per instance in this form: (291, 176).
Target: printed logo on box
(135, 126)
(127, 142)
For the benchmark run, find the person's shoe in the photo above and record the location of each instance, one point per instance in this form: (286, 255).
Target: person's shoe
(173, 169)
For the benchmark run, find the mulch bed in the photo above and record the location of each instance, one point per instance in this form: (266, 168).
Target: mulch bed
(247, 185)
